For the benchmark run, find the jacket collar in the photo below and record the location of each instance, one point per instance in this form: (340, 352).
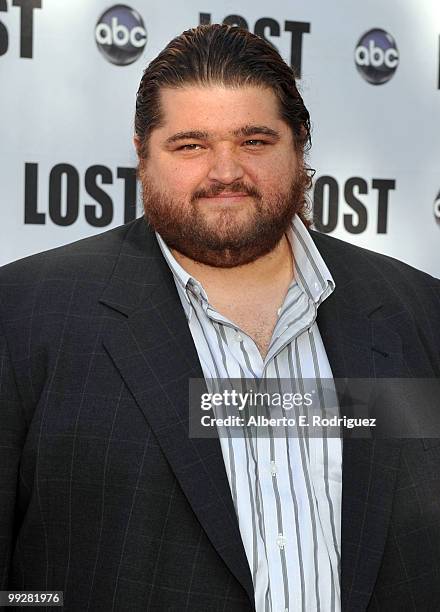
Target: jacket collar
(152, 347)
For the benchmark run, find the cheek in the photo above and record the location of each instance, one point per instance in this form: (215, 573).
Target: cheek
(286, 163)
(178, 175)
(185, 180)
(274, 173)
(274, 176)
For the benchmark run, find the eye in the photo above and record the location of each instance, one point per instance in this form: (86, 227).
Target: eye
(189, 147)
(254, 142)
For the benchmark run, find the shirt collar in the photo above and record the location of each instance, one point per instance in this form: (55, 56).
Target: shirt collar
(311, 272)
(184, 281)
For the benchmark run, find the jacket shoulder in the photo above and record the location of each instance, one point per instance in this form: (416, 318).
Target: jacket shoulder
(52, 274)
(370, 265)
(93, 251)
(371, 283)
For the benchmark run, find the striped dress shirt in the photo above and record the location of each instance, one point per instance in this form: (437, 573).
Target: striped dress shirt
(286, 489)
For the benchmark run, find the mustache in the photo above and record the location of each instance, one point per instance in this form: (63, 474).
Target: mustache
(215, 190)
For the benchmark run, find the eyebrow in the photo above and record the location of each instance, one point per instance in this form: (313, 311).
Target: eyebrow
(251, 130)
(247, 130)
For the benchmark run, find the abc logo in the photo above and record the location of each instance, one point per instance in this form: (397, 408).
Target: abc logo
(376, 56)
(120, 35)
(437, 207)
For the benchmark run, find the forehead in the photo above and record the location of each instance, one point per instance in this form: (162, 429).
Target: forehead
(219, 108)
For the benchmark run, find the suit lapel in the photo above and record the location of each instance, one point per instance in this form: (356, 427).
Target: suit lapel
(151, 345)
(360, 345)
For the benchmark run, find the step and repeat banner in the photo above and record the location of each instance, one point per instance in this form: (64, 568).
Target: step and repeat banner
(369, 73)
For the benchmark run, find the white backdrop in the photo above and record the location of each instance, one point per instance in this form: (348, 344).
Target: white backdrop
(67, 112)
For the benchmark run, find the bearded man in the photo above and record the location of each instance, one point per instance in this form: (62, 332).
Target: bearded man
(104, 494)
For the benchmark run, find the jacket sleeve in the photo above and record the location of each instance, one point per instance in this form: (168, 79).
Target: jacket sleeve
(12, 437)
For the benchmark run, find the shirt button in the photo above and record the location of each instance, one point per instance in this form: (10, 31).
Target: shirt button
(273, 469)
(196, 289)
(281, 541)
(238, 337)
(279, 311)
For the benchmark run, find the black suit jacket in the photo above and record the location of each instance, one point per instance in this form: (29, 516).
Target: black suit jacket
(104, 496)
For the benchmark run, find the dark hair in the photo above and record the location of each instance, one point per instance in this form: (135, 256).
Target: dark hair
(225, 55)
(220, 54)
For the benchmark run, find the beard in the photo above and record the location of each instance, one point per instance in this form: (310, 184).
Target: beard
(223, 240)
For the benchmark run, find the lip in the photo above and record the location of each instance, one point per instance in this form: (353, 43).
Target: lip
(226, 196)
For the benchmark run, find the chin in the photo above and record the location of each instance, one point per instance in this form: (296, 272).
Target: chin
(229, 220)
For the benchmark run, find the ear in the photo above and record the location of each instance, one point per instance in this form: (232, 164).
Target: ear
(137, 144)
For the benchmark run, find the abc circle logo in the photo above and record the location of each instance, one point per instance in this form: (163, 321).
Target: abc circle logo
(376, 56)
(437, 207)
(120, 35)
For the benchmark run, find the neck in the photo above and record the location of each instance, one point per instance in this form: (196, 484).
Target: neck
(264, 272)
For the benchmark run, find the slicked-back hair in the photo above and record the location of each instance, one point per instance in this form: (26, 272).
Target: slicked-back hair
(219, 55)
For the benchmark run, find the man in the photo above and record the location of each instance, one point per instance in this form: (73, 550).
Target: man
(105, 496)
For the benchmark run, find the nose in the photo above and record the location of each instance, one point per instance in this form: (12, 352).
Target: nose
(225, 166)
